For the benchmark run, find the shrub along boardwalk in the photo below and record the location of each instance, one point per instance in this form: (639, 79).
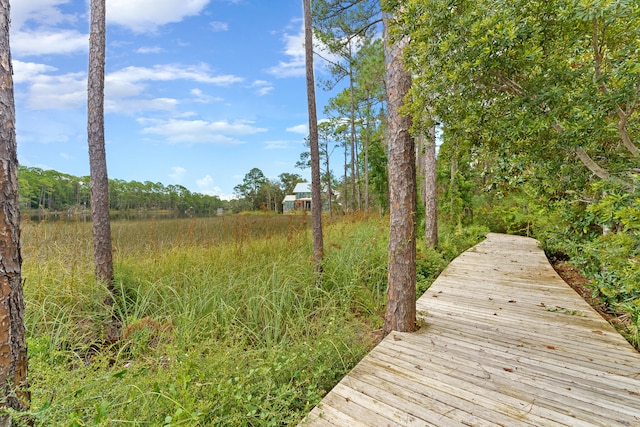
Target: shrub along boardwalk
(504, 341)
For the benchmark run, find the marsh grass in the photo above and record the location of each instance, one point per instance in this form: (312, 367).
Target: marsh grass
(223, 322)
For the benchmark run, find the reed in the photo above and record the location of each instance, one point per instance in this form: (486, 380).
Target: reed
(222, 320)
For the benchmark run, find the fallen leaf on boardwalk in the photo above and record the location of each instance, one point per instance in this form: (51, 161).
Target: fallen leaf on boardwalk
(495, 314)
(508, 369)
(542, 304)
(550, 347)
(598, 332)
(633, 393)
(397, 338)
(512, 300)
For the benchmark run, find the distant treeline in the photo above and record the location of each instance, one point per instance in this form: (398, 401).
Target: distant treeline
(58, 192)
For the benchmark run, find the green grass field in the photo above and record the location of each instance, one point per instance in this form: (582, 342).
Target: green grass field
(223, 322)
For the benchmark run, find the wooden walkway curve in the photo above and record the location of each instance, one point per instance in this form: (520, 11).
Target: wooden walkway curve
(505, 341)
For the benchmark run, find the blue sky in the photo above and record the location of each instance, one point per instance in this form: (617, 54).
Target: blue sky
(198, 92)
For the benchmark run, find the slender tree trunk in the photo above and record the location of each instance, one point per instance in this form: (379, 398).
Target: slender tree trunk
(316, 191)
(453, 186)
(13, 344)
(99, 182)
(329, 191)
(345, 182)
(357, 166)
(366, 157)
(353, 132)
(430, 190)
(401, 292)
(421, 142)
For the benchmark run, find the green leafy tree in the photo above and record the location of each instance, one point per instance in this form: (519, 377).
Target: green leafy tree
(250, 187)
(343, 27)
(548, 78)
(288, 181)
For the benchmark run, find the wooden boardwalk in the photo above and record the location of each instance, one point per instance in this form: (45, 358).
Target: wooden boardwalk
(505, 341)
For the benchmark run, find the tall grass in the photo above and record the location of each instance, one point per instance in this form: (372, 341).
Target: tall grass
(222, 320)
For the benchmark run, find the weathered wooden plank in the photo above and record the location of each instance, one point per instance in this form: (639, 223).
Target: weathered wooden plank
(409, 399)
(505, 342)
(562, 390)
(484, 394)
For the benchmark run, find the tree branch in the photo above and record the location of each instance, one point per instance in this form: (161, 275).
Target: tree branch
(595, 168)
(598, 55)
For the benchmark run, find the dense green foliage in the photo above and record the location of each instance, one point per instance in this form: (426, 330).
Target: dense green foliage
(355, 115)
(53, 191)
(538, 104)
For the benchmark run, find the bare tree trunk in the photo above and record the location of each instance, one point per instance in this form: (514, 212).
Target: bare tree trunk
(99, 183)
(421, 142)
(430, 190)
(345, 184)
(316, 191)
(13, 344)
(366, 158)
(358, 183)
(401, 292)
(353, 133)
(329, 191)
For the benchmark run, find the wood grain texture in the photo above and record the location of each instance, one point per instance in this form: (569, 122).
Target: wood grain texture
(504, 341)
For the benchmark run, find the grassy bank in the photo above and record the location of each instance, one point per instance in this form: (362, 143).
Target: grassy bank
(223, 322)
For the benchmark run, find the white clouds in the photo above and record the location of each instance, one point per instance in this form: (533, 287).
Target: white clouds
(207, 186)
(38, 25)
(26, 71)
(49, 91)
(201, 98)
(129, 76)
(67, 91)
(200, 131)
(262, 87)
(276, 145)
(147, 15)
(177, 173)
(39, 11)
(149, 49)
(44, 42)
(294, 49)
(219, 26)
(131, 106)
(301, 129)
(130, 82)
(38, 29)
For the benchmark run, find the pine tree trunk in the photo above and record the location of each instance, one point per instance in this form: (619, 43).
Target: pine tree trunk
(356, 203)
(13, 344)
(430, 190)
(316, 191)
(345, 198)
(401, 293)
(366, 157)
(99, 183)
